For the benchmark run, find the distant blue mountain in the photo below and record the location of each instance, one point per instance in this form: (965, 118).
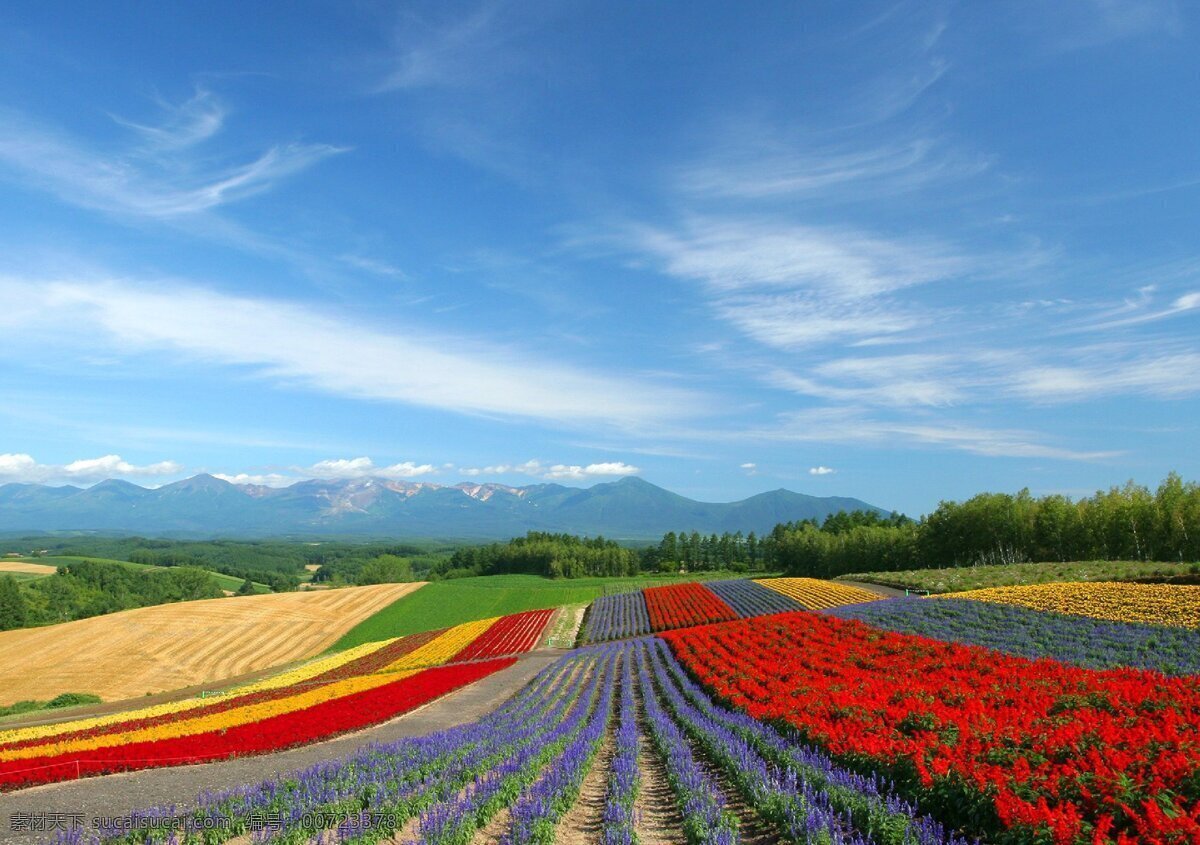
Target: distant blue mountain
(206, 506)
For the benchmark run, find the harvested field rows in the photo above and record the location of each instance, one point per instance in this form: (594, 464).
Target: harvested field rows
(152, 649)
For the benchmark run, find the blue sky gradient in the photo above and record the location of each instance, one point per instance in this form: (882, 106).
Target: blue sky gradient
(900, 251)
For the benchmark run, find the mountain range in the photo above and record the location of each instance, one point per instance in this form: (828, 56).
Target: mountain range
(207, 506)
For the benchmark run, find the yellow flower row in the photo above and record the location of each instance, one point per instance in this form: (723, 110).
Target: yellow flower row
(440, 649)
(1153, 604)
(300, 673)
(213, 721)
(814, 593)
(311, 669)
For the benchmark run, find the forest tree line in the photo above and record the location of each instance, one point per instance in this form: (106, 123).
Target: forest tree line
(1123, 523)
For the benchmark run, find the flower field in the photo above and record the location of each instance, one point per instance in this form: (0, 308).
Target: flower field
(345, 691)
(518, 772)
(1008, 749)
(682, 605)
(1078, 640)
(750, 598)
(787, 726)
(814, 594)
(1151, 604)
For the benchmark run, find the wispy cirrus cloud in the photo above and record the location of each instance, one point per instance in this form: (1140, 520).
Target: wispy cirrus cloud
(447, 54)
(855, 427)
(20, 467)
(184, 124)
(294, 344)
(159, 177)
(743, 253)
(764, 166)
(1107, 371)
(791, 285)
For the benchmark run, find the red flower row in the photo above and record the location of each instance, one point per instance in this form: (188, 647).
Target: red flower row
(682, 605)
(509, 635)
(320, 721)
(1060, 752)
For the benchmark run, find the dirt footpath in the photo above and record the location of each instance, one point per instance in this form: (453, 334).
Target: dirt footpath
(117, 795)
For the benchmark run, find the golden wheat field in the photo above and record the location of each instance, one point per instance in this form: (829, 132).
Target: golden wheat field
(170, 646)
(26, 568)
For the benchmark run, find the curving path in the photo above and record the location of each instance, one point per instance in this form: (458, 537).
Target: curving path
(118, 794)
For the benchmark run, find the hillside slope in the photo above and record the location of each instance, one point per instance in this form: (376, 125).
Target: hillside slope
(152, 649)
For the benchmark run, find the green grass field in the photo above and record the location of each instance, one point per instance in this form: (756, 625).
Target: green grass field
(956, 579)
(225, 582)
(445, 603)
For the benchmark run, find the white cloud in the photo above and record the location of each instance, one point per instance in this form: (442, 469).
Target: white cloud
(270, 479)
(749, 466)
(110, 466)
(821, 471)
(305, 345)
(574, 471)
(350, 468)
(23, 468)
(17, 467)
(557, 472)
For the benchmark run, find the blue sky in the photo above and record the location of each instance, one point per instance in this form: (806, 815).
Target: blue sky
(900, 251)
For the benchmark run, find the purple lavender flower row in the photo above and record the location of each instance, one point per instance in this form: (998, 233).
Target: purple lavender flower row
(1078, 640)
(455, 820)
(540, 807)
(624, 778)
(749, 598)
(824, 796)
(615, 617)
(705, 819)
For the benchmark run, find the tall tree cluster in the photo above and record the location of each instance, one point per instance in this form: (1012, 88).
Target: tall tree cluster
(552, 555)
(1123, 523)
